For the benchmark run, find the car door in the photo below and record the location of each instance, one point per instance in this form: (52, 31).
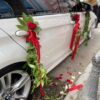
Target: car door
(8, 46)
(51, 33)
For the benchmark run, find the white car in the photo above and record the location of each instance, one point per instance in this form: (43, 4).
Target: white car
(55, 38)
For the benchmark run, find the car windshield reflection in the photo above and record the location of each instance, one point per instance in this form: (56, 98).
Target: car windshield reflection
(5, 9)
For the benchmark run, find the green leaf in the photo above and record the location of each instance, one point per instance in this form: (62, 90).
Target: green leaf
(37, 82)
(43, 83)
(25, 17)
(37, 30)
(30, 18)
(43, 71)
(31, 66)
(25, 28)
(21, 21)
(36, 22)
(20, 27)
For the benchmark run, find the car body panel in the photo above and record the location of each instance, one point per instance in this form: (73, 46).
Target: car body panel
(10, 52)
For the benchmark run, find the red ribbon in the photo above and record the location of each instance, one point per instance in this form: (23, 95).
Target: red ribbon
(41, 90)
(76, 17)
(73, 87)
(33, 38)
(75, 48)
(75, 30)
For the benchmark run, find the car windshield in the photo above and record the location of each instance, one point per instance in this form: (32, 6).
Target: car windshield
(14, 8)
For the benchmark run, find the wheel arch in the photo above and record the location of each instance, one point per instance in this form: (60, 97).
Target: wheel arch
(10, 67)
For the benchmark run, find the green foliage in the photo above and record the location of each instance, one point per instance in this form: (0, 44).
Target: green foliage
(22, 27)
(86, 28)
(33, 64)
(78, 34)
(23, 23)
(30, 18)
(37, 30)
(25, 17)
(38, 71)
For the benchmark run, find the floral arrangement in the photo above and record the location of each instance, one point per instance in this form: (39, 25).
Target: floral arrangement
(38, 71)
(78, 34)
(75, 35)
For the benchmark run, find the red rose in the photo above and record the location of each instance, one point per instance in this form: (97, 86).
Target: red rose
(58, 78)
(31, 25)
(76, 17)
(69, 81)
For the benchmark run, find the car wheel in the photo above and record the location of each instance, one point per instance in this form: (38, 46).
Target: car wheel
(15, 83)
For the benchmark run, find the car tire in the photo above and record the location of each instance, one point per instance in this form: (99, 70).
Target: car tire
(15, 83)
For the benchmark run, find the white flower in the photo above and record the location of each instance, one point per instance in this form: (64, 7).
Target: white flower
(61, 92)
(73, 77)
(66, 87)
(69, 86)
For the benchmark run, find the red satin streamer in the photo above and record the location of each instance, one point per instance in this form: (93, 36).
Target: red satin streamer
(76, 17)
(75, 48)
(33, 38)
(41, 90)
(75, 30)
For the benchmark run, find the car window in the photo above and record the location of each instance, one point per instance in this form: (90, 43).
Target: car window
(5, 9)
(14, 8)
(41, 7)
